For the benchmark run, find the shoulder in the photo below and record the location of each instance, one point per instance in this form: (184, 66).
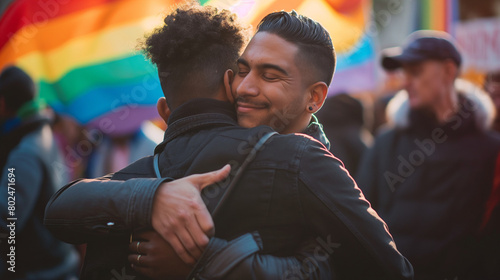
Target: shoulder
(141, 168)
(246, 138)
(38, 143)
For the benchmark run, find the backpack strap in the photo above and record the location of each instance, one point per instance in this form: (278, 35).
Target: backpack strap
(156, 164)
(242, 168)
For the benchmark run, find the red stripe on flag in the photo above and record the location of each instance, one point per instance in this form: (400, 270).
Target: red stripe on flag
(23, 13)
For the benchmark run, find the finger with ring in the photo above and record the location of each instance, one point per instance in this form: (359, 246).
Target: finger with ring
(137, 247)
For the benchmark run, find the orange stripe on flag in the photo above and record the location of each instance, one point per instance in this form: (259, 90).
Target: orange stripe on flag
(438, 15)
(275, 6)
(60, 30)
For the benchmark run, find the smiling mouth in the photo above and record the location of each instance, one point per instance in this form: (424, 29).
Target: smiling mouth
(242, 107)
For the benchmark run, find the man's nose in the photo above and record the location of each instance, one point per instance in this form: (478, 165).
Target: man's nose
(248, 86)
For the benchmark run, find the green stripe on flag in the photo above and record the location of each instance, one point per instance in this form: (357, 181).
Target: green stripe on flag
(127, 70)
(426, 14)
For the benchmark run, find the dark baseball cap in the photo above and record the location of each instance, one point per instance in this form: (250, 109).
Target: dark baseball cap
(422, 45)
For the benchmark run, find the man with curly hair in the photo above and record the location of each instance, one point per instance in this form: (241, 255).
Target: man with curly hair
(295, 214)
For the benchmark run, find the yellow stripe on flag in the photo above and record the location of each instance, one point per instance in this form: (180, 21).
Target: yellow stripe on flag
(86, 50)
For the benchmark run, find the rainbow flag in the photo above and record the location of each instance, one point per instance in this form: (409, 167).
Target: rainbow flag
(82, 56)
(438, 15)
(82, 53)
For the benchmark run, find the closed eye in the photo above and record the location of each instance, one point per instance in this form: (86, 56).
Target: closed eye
(270, 77)
(242, 73)
(242, 70)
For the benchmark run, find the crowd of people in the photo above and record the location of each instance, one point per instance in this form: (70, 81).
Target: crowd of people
(259, 175)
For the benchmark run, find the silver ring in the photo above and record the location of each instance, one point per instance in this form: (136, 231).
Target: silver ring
(137, 247)
(138, 258)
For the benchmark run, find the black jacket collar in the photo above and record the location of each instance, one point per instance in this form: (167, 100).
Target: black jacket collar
(202, 106)
(315, 130)
(196, 114)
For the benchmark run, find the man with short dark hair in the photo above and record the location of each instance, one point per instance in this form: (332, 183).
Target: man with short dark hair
(429, 177)
(284, 73)
(306, 213)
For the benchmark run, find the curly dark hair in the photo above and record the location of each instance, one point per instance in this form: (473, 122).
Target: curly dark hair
(193, 49)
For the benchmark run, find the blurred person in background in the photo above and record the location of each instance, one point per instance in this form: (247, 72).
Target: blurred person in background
(68, 135)
(115, 151)
(28, 151)
(343, 123)
(492, 87)
(430, 176)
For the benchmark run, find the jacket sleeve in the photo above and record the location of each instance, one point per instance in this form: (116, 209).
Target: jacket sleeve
(87, 208)
(339, 213)
(21, 189)
(240, 259)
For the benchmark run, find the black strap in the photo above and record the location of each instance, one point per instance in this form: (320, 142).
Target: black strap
(224, 257)
(156, 163)
(238, 174)
(242, 168)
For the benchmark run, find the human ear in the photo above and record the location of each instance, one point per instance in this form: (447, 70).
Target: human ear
(228, 81)
(317, 95)
(163, 109)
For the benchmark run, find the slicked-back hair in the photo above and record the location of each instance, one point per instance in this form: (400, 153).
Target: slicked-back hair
(193, 49)
(314, 42)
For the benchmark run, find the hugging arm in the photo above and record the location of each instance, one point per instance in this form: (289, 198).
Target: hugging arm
(88, 209)
(239, 258)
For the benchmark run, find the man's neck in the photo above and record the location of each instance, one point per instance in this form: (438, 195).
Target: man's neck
(201, 106)
(446, 106)
(298, 127)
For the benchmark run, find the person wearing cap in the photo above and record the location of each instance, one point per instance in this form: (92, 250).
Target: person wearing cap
(29, 177)
(430, 176)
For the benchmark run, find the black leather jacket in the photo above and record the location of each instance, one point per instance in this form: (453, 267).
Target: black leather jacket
(293, 191)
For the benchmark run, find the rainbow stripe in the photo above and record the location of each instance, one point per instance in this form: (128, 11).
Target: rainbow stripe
(82, 53)
(438, 14)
